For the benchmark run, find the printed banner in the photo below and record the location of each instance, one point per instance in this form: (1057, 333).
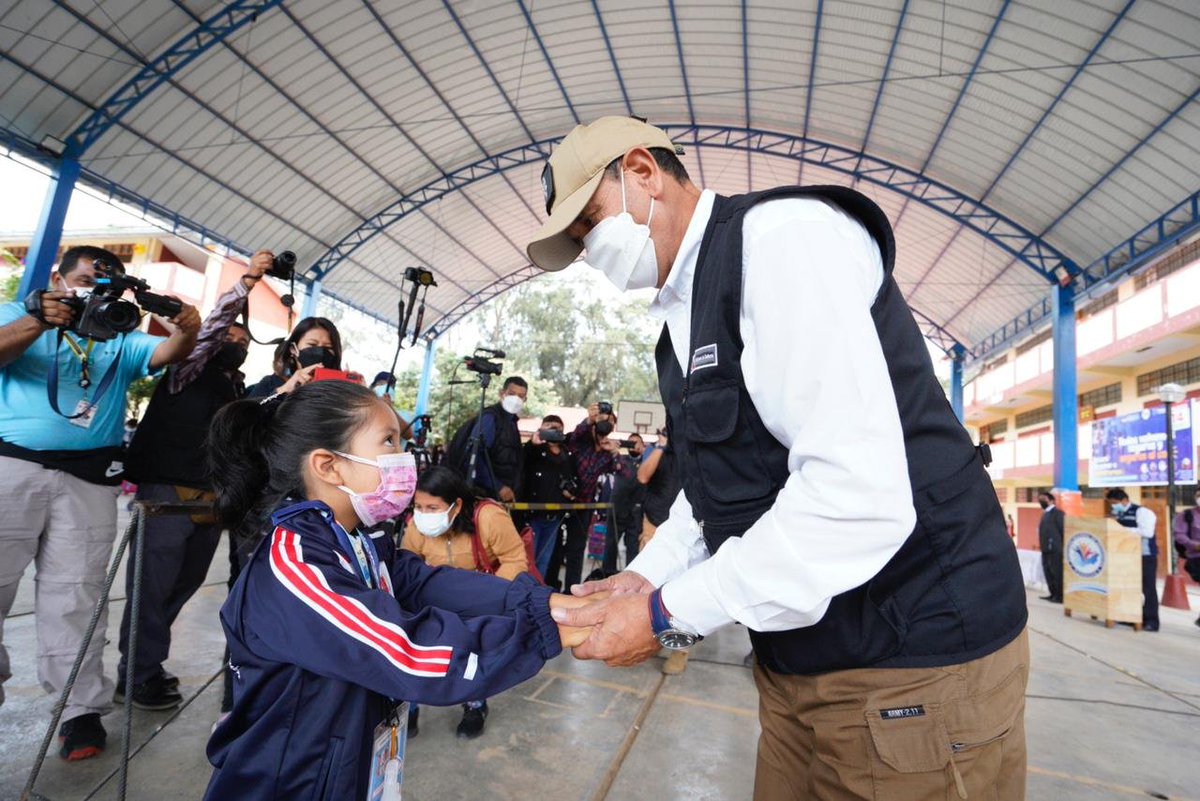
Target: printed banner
(1131, 450)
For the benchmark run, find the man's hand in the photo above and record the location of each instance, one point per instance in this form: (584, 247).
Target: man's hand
(622, 636)
(624, 583)
(506, 494)
(593, 413)
(187, 321)
(610, 445)
(259, 265)
(56, 313)
(536, 439)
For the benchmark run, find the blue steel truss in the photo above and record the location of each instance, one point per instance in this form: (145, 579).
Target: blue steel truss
(470, 304)
(1008, 235)
(1177, 224)
(214, 30)
(945, 341)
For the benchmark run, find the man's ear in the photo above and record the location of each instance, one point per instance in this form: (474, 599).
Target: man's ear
(325, 466)
(641, 163)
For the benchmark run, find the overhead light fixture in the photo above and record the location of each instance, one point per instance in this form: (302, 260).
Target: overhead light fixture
(1062, 275)
(53, 145)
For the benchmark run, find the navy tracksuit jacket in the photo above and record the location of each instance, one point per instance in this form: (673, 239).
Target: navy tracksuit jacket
(317, 654)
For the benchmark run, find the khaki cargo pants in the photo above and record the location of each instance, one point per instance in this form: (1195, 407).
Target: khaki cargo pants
(955, 732)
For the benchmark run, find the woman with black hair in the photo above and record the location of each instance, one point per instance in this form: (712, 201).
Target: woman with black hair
(451, 527)
(314, 342)
(322, 632)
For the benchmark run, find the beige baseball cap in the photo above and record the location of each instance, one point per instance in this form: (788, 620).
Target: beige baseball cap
(573, 172)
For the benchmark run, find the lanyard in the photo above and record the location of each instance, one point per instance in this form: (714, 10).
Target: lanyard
(84, 357)
(369, 571)
(105, 381)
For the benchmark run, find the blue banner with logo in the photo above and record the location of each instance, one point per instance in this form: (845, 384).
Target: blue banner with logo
(1131, 450)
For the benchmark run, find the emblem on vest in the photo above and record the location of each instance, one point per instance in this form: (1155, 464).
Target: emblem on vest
(704, 357)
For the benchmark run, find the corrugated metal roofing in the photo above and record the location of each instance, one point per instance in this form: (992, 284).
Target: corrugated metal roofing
(1074, 119)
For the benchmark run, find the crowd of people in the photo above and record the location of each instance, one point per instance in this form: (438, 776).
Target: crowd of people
(890, 650)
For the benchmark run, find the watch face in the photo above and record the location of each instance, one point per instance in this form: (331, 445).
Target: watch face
(676, 640)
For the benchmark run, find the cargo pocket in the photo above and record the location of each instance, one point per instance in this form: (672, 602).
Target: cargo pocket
(912, 752)
(987, 737)
(730, 463)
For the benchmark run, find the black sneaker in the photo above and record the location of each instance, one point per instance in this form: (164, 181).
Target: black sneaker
(153, 694)
(414, 724)
(471, 725)
(168, 680)
(82, 737)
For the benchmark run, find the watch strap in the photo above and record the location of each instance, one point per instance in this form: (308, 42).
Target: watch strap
(660, 619)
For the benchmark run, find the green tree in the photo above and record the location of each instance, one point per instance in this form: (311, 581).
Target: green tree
(139, 394)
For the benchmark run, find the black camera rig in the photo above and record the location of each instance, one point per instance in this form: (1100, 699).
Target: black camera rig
(103, 315)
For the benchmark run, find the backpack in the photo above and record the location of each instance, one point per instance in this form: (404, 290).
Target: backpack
(490, 566)
(459, 449)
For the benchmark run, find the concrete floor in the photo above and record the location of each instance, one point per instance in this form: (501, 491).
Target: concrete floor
(1112, 714)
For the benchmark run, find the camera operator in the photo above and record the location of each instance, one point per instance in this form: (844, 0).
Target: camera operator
(547, 471)
(595, 456)
(657, 474)
(62, 468)
(167, 461)
(626, 518)
(499, 462)
(313, 343)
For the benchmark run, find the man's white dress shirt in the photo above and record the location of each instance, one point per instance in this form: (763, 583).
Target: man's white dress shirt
(815, 370)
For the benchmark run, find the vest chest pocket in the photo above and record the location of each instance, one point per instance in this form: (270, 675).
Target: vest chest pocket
(723, 445)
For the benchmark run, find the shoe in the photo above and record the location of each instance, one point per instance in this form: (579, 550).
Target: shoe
(168, 680)
(1056, 600)
(155, 694)
(1150, 627)
(82, 737)
(471, 725)
(414, 722)
(1198, 621)
(1046, 598)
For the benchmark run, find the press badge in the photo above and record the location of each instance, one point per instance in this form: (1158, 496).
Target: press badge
(387, 756)
(86, 412)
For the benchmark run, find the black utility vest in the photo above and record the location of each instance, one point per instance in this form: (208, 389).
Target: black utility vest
(169, 446)
(954, 591)
(1128, 519)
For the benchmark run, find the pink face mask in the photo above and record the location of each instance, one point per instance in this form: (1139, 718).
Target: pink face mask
(397, 484)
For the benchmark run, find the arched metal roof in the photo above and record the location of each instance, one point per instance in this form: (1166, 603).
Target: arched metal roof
(1004, 139)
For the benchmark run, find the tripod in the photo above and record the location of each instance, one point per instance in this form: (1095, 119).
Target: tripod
(477, 444)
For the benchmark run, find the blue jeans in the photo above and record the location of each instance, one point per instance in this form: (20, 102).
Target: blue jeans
(545, 534)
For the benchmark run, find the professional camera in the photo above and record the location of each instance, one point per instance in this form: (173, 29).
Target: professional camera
(419, 276)
(102, 315)
(283, 266)
(481, 361)
(605, 407)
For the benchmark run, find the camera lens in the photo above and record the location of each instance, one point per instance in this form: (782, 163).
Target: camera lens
(119, 315)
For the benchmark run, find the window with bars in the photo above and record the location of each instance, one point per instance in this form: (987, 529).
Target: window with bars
(1186, 372)
(992, 431)
(1172, 262)
(1034, 416)
(1102, 396)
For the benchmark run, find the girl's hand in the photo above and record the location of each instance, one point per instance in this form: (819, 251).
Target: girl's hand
(299, 378)
(572, 636)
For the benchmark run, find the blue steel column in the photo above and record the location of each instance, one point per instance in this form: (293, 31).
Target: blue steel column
(1066, 399)
(43, 250)
(312, 299)
(958, 353)
(426, 378)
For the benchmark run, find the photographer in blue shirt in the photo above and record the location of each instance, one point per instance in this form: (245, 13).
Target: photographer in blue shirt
(62, 413)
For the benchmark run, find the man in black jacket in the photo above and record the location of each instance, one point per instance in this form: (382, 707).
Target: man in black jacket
(1050, 540)
(166, 459)
(498, 463)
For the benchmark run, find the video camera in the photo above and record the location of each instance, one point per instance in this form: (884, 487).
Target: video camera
(103, 315)
(551, 435)
(481, 361)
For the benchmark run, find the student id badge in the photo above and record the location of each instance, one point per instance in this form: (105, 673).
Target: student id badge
(86, 412)
(387, 756)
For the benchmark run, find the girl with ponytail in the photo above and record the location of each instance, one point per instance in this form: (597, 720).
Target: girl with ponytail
(322, 632)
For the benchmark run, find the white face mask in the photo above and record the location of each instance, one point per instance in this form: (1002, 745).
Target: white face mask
(512, 404)
(432, 524)
(81, 292)
(623, 250)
